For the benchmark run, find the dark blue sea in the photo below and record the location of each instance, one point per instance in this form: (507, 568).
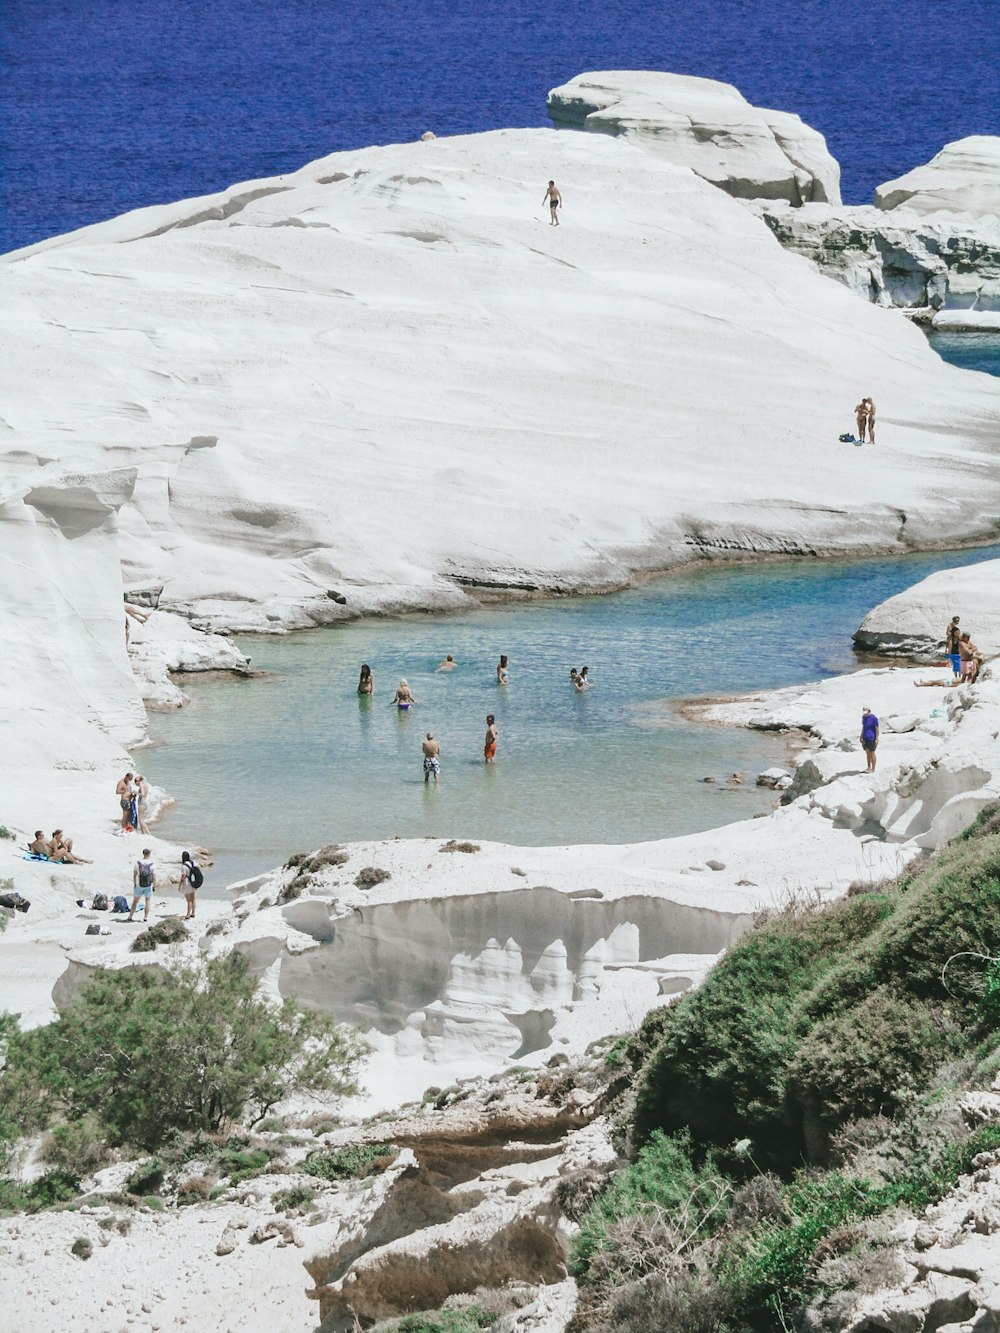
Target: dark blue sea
(109, 105)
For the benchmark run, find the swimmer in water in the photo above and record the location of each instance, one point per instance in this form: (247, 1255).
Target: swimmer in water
(366, 681)
(449, 664)
(502, 676)
(403, 697)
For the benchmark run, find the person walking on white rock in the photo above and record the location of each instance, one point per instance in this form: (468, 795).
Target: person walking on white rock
(953, 647)
(871, 420)
(143, 883)
(869, 737)
(432, 758)
(192, 878)
(141, 802)
(555, 202)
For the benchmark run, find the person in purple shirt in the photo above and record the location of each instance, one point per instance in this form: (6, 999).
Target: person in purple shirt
(869, 737)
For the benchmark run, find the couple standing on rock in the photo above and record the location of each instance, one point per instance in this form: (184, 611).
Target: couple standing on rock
(865, 414)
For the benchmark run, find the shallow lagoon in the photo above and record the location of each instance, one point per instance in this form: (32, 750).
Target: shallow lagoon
(263, 768)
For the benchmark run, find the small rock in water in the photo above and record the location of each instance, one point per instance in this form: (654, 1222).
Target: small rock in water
(706, 779)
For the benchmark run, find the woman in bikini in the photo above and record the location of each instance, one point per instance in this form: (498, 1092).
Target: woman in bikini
(403, 697)
(366, 681)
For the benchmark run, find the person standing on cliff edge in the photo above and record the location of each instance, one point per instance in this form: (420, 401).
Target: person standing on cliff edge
(869, 737)
(555, 201)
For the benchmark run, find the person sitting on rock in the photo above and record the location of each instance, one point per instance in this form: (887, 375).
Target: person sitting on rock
(41, 846)
(62, 850)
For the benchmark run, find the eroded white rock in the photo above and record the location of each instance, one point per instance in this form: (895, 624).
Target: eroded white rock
(963, 178)
(748, 151)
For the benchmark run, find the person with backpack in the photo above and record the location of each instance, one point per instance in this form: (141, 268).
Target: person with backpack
(192, 878)
(143, 883)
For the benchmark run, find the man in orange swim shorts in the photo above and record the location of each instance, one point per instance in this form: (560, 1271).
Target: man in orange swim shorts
(490, 747)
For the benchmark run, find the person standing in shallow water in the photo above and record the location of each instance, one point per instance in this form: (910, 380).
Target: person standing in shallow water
(869, 737)
(555, 201)
(490, 744)
(502, 677)
(366, 681)
(432, 758)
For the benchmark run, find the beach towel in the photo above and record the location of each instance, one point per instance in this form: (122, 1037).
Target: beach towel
(33, 856)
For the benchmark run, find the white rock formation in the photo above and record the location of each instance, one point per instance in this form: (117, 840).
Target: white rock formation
(748, 151)
(963, 178)
(946, 264)
(914, 620)
(167, 643)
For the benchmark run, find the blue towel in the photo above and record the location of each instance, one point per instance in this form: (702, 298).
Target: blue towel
(33, 856)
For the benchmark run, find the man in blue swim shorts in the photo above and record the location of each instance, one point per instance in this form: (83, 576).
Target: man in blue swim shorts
(143, 883)
(432, 760)
(952, 639)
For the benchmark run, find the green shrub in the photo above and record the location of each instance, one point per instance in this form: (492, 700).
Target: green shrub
(720, 1067)
(469, 1320)
(146, 1177)
(862, 1061)
(6, 834)
(664, 1179)
(355, 1160)
(296, 1196)
(240, 1166)
(155, 1052)
(53, 1188)
(77, 1145)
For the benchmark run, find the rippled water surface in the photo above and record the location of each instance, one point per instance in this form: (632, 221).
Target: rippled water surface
(263, 768)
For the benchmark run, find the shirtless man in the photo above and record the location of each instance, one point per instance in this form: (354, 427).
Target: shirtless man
(449, 664)
(871, 420)
(62, 850)
(432, 758)
(125, 791)
(41, 846)
(555, 200)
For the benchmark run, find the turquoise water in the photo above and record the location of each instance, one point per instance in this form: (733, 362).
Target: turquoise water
(971, 351)
(263, 768)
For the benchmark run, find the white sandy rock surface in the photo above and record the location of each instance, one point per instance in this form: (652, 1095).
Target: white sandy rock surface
(369, 384)
(963, 178)
(913, 621)
(748, 151)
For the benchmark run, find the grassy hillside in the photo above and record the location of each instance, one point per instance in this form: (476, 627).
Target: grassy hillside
(803, 1092)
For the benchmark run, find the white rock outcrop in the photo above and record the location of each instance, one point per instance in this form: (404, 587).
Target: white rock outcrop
(914, 620)
(748, 151)
(946, 265)
(963, 178)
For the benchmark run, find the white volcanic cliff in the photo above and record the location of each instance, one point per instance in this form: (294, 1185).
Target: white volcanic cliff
(963, 178)
(748, 151)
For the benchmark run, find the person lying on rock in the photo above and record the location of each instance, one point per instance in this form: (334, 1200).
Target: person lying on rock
(62, 850)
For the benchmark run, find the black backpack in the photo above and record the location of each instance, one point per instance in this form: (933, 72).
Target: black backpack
(145, 874)
(15, 901)
(100, 903)
(196, 877)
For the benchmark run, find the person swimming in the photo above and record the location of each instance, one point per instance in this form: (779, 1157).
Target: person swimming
(403, 696)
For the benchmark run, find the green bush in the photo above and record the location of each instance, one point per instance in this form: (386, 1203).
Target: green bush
(155, 1052)
(720, 1067)
(240, 1166)
(79, 1146)
(469, 1320)
(353, 1161)
(296, 1196)
(862, 1061)
(146, 1177)
(53, 1188)
(664, 1179)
